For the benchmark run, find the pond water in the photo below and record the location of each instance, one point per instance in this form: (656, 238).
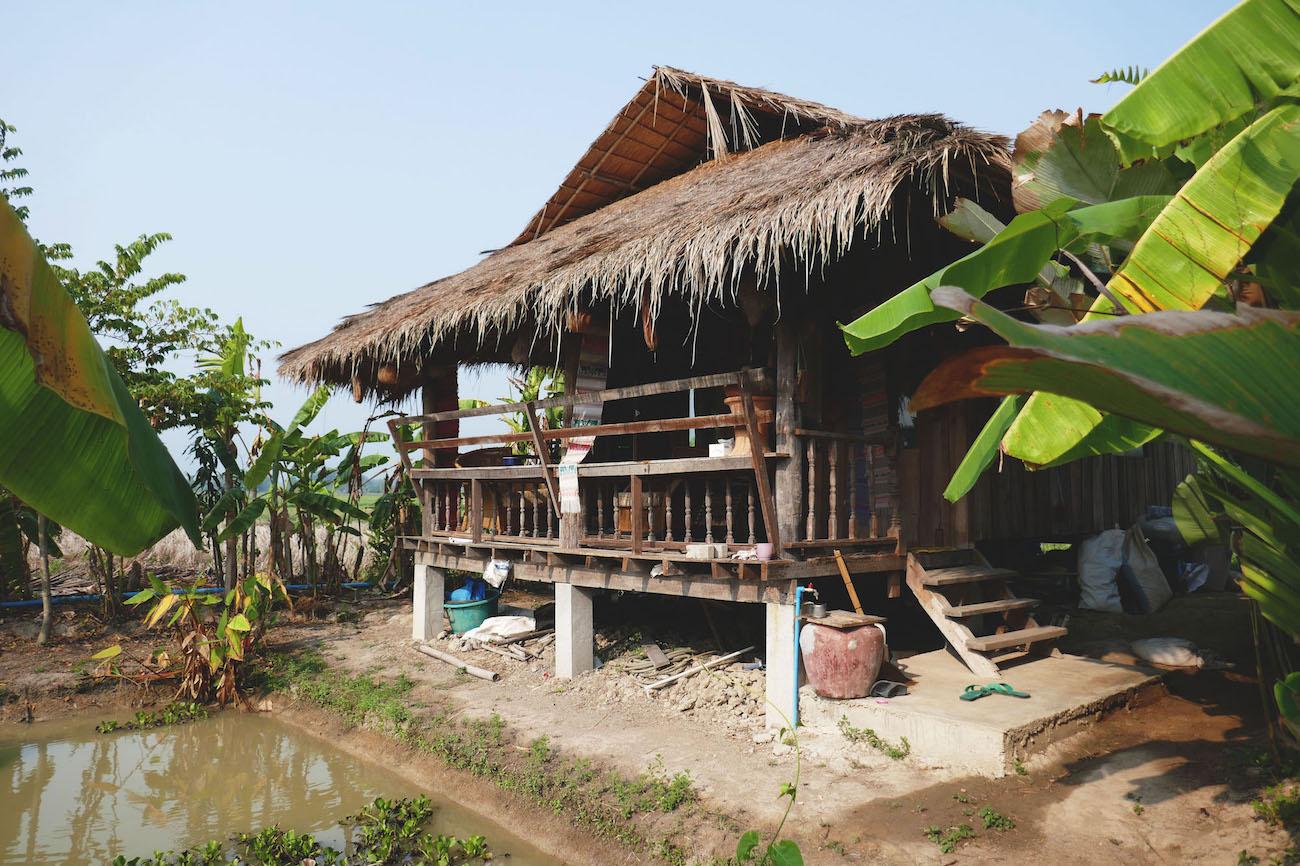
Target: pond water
(69, 795)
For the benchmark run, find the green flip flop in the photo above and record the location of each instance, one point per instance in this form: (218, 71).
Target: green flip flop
(975, 692)
(1005, 689)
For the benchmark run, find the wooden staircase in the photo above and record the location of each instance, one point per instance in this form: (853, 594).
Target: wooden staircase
(984, 623)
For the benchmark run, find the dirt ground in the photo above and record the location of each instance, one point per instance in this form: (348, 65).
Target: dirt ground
(1168, 782)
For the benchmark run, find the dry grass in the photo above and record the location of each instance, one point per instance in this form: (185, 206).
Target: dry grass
(176, 553)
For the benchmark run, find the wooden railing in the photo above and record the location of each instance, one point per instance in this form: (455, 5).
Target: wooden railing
(643, 507)
(654, 507)
(840, 476)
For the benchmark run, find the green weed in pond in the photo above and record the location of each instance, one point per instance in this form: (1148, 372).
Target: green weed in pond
(386, 831)
(173, 714)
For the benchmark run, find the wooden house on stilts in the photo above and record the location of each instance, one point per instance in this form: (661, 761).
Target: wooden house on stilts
(688, 277)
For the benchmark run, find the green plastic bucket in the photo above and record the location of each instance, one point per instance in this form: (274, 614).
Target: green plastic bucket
(465, 615)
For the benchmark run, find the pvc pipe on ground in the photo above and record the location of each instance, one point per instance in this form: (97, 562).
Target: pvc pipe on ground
(659, 684)
(481, 673)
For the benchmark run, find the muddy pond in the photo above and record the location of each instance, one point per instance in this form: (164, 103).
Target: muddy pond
(69, 795)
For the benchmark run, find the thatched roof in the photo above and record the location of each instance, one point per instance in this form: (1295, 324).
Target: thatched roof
(788, 179)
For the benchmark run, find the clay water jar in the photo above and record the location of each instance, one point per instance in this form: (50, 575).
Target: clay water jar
(841, 663)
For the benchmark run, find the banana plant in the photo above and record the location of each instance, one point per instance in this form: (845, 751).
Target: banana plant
(297, 479)
(1225, 164)
(78, 449)
(1159, 348)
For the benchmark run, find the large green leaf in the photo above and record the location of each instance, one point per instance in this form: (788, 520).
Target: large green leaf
(1072, 431)
(310, 408)
(73, 443)
(1245, 58)
(1199, 239)
(1179, 263)
(1068, 156)
(1179, 371)
(1193, 515)
(1017, 255)
(984, 449)
(266, 458)
(243, 521)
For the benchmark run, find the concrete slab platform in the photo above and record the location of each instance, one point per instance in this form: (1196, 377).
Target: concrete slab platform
(987, 736)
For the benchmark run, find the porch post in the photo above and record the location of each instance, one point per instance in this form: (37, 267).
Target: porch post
(575, 650)
(789, 488)
(427, 600)
(781, 649)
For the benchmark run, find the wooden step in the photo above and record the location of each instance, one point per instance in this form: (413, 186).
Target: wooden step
(965, 574)
(1015, 638)
(998, 606)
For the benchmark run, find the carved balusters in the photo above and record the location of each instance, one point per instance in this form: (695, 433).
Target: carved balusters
(550, 516)
(726, 483)
(686, 497)
(446, 507)
(749, 490)
(853, 489)
(519, 505)
(708, 512)
(600, 509)
(537, 514)
(832, 484)
(647, 506)
(668, 513)
(873, 521)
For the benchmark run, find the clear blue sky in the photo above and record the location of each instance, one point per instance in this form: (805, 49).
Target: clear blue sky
(313, 158)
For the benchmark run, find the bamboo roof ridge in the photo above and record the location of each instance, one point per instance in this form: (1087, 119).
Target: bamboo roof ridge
(746, 178)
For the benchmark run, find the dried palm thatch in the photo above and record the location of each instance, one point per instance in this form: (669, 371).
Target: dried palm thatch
(803, 198)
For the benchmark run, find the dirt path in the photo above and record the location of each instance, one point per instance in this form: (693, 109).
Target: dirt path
(1168, 782)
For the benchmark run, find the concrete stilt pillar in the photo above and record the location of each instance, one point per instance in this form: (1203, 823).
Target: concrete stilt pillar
(781, 649)
(427, 601)
(575, 649)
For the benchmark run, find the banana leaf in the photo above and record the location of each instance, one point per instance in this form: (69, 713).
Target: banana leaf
(1178, 371)
(1178, 264)
(1016, 255)
(1245, 58)
(984, 449)
(1065, 155)
(73, 443)
(1197, 241)
(1193, 515)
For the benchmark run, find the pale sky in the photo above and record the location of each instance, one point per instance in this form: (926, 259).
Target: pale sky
(313, 158)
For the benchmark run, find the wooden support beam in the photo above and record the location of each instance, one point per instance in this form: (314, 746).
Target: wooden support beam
(638, 515)
(614, 577)
(547, 472)
(789, 470)
(476, 510)
(760, 466)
